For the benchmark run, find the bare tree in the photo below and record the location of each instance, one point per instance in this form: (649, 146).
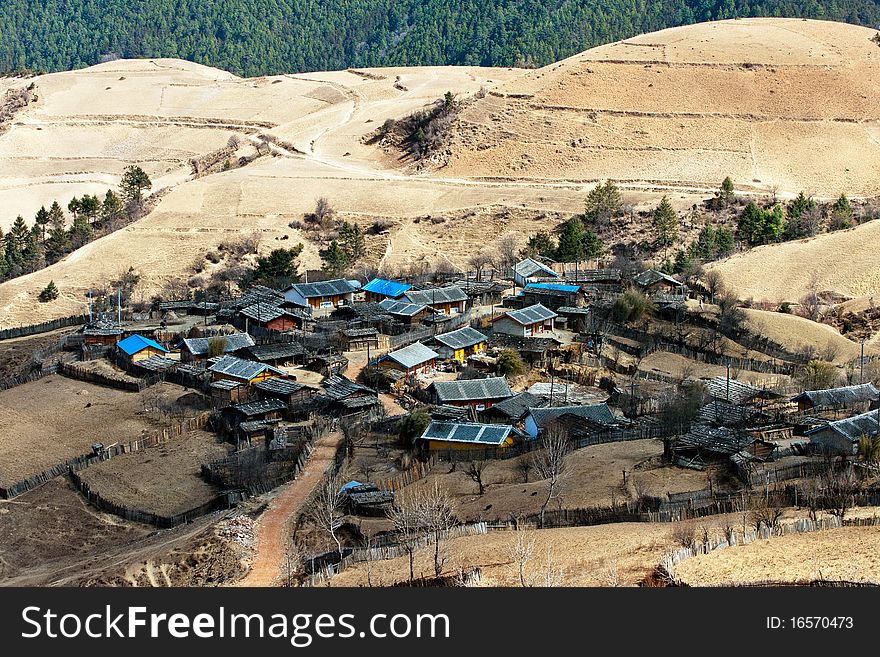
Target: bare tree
(612, 577)
(520, 552)
(766, 515)
(475, 473)
(839, 487)
(550, 463)
(436, 516)
(524, 467)
(294, 558)
(326, 511)
(404, 516)
(480, 261)
(553, 576)
(714, 284)
(508, 248)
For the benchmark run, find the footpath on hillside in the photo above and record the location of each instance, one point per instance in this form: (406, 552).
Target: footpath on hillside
(273, 526)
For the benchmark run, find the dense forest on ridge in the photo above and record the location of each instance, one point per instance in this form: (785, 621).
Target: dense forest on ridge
(256, 37)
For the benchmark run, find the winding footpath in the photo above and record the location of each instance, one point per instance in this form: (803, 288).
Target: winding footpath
(273, 526)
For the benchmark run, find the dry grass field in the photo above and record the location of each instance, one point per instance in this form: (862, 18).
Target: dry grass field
(164, 480)
(674, 111)
(55, 418)
(848, 553)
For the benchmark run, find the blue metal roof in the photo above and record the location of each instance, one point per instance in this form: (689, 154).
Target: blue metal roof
(137, 343)
(390, 289)
(554, 286)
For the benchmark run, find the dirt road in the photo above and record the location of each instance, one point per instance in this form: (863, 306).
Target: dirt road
(272, 528)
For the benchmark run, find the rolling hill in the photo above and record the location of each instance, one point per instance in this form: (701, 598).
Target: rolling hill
(779, 101)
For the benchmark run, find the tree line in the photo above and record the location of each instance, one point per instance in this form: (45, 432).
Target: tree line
(54, 234)
(258, 37)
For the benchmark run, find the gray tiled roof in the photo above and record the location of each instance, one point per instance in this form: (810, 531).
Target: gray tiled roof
(461, 338)
(597, 414)
(335, 287)
(266, 312)
(517, 407)
(157, 363)
(276, 351)
(412, 355)
(339, 388)
(531, 315)
(234, 342)
(225, 384)
(260, 406)
(530, 267)
(279, 386)
(721, 440)
(720, 387)
(652, 276)
(402, 308)
(852, 428)
(488, 435)
(839, 396)
(449, 294)
(239, 368)
(471, 389)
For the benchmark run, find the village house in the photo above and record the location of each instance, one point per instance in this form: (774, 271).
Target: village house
(244, 371)
(574, 319)
(324, 295)
(552, 295)
(137, 348)
(652, 281)
(279, 354)
(482, 292)
(574, 419)
(464, 436)
(195, 349)
(842, 436)
(225, 392)
(527, 322)
(479, 394)
(536, 352)
(366, 499)
(101, 333)
(449, 300)
(531, 271)
(380, 289)
(411, 360)
(739, 393)
(600, 280)
(513, 410)
(854, 398)
(270, 318)
(459, 344)
(361, 339)
(704, 445)
(290, 392)
(347, 397)
(261, 410)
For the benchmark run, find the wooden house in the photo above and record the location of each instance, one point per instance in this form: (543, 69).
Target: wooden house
(324, 295)
(252, 411)
(290, 392)
(513, 410)
(462, 436)
(601, 280)
(449, 300)
(279, 354)
(479, 394)
(842, 436)
(527, 322)
(225, 392)
(101, 334)
(858, 397)
(380, 289)
(482, 292)
(361, 339)
(552, 295)
(740, 393)
(531, 271)
(413, 359)
(404, 311)
(459, 344)
(576, 319)
(596, 418)
(197, 349)
(347, 397)
(243, 371)
(271, 318)
(137, 348)
(652, 281)
(534, 351)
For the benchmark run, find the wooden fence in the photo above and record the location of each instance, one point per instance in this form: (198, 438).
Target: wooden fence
(85, 460)
(6, 384)
(45, 327)
(416, 471)
(74, 372)
(800, 526)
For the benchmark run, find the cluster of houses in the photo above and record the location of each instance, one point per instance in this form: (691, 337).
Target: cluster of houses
(253, 350)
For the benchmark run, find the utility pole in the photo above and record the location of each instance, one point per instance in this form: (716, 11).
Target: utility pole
(862, 364)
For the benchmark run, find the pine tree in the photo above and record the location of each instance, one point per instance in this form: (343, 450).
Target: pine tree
(16, 245)
(81, 231)
(58, 242)
(352, 242)
(726, 191)
(49, 293)
(603, 204)
(571, 241)
(4, 266)
(134, 181)
(665, 224)
(335, 260)
(42, 220)
(112, 209)
(541, 243)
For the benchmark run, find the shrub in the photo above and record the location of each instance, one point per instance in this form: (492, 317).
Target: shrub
(510, 363)
(49, 293)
